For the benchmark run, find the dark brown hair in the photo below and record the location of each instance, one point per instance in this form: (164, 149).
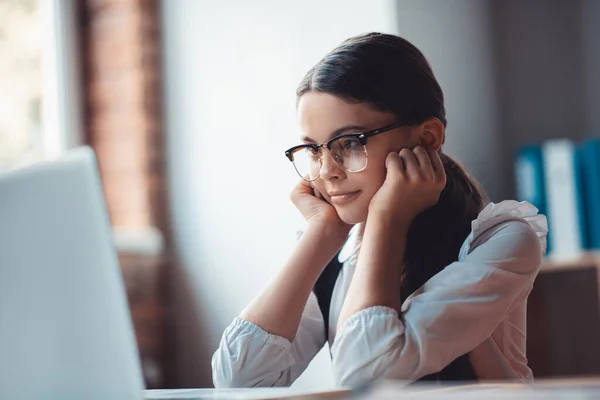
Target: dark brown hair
(392, 75)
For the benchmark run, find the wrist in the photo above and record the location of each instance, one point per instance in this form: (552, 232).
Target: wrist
(317, 246)
(328, 232)
(394, 224)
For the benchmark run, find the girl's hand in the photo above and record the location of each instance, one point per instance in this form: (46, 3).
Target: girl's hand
(413, 183)
(315, 209)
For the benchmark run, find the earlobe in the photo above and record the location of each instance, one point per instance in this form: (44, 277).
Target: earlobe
(432, 134)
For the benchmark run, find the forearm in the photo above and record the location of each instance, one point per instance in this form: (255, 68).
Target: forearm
(278, 308)
(376, 281)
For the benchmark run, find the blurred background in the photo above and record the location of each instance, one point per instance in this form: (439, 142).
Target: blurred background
(189, 105)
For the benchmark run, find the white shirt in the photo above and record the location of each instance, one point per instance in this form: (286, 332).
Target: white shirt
(476, 304)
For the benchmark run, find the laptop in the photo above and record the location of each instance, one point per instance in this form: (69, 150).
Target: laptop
(65, 327)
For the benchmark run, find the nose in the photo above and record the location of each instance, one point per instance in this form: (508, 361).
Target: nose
(330, 169)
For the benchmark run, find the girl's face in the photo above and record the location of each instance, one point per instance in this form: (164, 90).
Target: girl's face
(323, 115)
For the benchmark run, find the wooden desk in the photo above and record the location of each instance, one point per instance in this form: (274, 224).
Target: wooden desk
(563, 319)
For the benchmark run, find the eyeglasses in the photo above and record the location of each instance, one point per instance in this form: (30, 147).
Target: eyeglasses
(349, 151)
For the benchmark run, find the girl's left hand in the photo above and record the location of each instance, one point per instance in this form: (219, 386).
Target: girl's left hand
(413, 183)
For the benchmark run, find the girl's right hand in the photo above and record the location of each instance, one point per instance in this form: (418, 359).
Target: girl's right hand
(315, 209)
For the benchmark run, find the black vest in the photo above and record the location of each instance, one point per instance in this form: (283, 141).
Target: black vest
(458, 370)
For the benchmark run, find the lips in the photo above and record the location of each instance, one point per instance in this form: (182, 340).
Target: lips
(340, 198)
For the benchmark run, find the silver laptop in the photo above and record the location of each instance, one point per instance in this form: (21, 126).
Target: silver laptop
(65, 328)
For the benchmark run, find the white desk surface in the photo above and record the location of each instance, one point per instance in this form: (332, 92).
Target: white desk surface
(242, 394)
(567, 389)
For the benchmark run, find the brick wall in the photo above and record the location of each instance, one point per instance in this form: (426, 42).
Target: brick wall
(123, 110)
(120, 50)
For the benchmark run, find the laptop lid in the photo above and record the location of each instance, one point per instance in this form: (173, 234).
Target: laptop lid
(65, 326)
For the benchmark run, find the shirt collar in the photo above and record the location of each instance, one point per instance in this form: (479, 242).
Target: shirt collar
(351, 246)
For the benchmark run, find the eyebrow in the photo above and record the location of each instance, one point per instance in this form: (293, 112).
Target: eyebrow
(337, 132)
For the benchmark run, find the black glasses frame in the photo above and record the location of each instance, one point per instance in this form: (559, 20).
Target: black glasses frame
(361, 136)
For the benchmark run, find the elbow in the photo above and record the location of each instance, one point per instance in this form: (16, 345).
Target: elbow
(356, 376)
(386, 366)
(223, 375)
(351, 378)
(228, 374)
(362, 355)
(398, 358)
(226, 381)
(249, 357)
(352, 371)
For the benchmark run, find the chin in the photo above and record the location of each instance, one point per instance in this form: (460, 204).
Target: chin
(352, 215)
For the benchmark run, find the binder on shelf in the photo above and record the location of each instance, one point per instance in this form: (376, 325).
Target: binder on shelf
(590, 169)
(529, 179)
(529, 176)
(564, 198)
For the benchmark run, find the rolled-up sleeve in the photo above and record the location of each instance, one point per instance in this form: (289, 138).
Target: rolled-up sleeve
(449, 316)
(248, 356)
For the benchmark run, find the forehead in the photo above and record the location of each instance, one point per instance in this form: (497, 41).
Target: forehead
(322, 113)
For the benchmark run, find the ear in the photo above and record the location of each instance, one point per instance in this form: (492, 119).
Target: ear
(431, 133)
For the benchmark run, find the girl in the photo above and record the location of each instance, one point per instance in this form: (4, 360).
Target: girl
(431, 281)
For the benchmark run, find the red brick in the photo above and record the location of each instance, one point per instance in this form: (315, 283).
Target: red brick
(122, 79)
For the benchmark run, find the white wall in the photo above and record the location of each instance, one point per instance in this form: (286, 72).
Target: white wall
(231, 71)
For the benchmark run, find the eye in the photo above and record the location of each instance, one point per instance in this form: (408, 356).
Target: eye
(351, 144)
(311, 152)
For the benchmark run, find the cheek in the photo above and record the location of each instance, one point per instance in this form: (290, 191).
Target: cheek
(369, 181)
(320, 186)
(374, 174)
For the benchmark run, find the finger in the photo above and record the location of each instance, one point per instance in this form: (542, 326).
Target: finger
(424, 161)
(436, 163)
(410, 162)
(317, 194)
(304, 187)
(394, 166)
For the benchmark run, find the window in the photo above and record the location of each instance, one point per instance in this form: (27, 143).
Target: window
(38, 80)
(20, 82)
